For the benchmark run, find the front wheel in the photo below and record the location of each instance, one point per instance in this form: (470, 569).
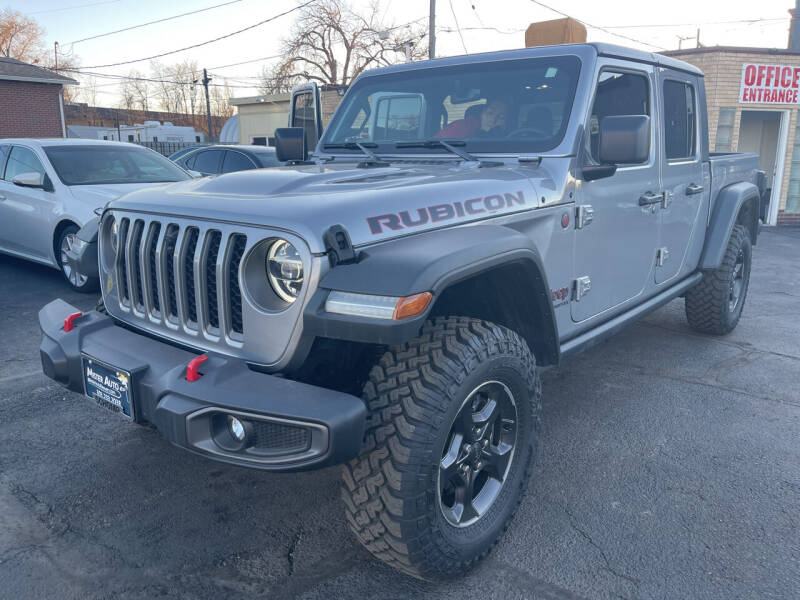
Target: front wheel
(452, 433)
(715, 304)
(78, 281)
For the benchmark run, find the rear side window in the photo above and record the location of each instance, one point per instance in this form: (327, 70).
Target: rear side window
(22, 160)
(680, 128)
(207, 161)
(236, 161)
(618, 94)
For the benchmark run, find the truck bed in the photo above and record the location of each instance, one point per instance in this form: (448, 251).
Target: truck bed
(731, 167)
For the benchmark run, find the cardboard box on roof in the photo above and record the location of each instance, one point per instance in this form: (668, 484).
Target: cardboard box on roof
(558, 31)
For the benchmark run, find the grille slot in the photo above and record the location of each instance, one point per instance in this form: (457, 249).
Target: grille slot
(184, 276)
(188, 273)
(212, 253)
(281, 438)
(237, 246)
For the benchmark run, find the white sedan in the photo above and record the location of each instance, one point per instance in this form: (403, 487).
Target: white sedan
(50, 188)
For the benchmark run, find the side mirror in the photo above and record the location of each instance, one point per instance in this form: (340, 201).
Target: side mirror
(290, 144)
(31, 180)
(624, 139)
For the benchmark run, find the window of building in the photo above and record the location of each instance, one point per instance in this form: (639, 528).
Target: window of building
(22, 160)
(724, 139)
(260, 141)
(680, 128)
(130, 137)
(618, 93)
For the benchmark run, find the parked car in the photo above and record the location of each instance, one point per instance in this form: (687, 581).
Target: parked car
(387, 307)
(213, 160)
(183, 152)
(50, 188)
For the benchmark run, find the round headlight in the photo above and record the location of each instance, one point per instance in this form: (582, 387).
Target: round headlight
(285, 270)
(114, 232)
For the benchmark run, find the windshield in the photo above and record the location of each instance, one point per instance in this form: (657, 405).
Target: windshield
(504, 106)
(95, 165)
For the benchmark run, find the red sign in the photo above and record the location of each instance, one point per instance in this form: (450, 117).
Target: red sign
(770, 84)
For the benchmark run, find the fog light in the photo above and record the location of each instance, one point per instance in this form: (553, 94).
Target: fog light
(236, 428)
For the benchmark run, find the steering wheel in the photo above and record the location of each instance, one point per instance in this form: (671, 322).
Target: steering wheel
(528, 132)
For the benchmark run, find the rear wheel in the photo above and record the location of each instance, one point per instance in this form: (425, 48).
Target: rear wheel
(715, 304)
(78, 281)
(452, 432)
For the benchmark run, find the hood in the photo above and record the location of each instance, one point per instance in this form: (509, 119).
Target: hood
(98, 195)
(373, 204)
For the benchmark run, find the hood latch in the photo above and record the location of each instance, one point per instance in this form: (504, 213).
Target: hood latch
(338, 246)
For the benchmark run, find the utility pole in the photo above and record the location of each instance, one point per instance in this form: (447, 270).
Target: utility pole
(55, 55)
(794, 31)
(432, 30)
(206, 81)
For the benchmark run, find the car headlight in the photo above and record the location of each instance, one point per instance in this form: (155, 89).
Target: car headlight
(285, 270)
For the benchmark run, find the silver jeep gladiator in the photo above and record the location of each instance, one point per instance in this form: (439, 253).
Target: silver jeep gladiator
(385, 301)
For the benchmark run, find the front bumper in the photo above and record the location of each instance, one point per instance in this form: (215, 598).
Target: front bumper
(299, 426)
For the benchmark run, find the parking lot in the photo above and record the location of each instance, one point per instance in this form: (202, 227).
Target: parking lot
(670, 468)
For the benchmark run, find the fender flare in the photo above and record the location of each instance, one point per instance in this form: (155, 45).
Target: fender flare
(729, 203)
(430, 261)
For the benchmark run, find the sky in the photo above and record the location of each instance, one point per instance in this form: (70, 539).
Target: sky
(485, 25)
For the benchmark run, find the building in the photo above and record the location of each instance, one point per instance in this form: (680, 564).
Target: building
(31, 100)
(753, 97)
(259, 116)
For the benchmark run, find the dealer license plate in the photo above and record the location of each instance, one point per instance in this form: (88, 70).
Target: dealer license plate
(108, 386)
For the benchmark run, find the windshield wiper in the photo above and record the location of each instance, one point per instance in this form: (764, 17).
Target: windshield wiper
(374, 160)
(451, 146)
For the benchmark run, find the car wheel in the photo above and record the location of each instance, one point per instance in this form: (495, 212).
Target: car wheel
(78, 281)
(452, 432)
(715, 304)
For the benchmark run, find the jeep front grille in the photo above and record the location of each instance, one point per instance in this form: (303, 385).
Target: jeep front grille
(182, 275)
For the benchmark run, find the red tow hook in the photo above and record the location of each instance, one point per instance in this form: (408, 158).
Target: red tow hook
(191, 369)
(69, 322)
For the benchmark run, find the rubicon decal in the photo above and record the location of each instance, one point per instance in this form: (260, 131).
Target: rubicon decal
(444, 212)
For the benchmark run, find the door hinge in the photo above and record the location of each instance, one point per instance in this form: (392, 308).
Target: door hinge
(582, 287)
(666, 199)
(662, 254)
(583, 216)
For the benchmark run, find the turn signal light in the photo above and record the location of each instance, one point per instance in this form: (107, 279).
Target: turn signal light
(412, 306)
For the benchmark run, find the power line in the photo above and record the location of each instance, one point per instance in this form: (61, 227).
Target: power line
(584, 23)
(222, 37)
(63, 8)
(458, 27)
(246, 62)
(122, 78)
(193, 12)
(706, 24)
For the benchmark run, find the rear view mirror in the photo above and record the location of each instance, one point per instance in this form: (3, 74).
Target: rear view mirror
(31, 180)
(624, 139)
(289, 144)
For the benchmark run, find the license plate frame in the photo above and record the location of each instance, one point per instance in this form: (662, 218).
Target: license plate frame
(108, 386)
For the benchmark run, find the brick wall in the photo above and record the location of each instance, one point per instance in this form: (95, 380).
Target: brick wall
(723, 76)
(29, 109)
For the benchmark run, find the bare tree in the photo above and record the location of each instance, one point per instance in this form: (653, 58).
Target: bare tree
(141, 91)
(330, 43)
(20, 37)
(221, 100)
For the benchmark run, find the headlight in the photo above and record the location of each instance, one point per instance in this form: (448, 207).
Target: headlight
(285, 270)
(114, 231)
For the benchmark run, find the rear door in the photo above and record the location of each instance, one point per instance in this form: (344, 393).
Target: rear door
(682, 175)
(617, 237)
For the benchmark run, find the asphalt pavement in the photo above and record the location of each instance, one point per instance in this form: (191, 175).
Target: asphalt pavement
(670, 468)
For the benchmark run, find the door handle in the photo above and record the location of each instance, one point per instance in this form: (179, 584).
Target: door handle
(693, 188)
(650, 198)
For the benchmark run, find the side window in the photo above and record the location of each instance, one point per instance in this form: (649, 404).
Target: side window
(618, 93)
(22, 160)
(680, 128)
(3, 156)
(236, 161)
(208, 161)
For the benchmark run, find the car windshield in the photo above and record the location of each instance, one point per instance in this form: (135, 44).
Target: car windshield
(519, 105)
(95, 165)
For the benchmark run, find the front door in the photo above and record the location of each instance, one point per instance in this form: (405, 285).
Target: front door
(682, 175)
(615, 252)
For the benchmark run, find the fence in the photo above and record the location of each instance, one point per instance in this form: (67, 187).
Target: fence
(167, 148)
